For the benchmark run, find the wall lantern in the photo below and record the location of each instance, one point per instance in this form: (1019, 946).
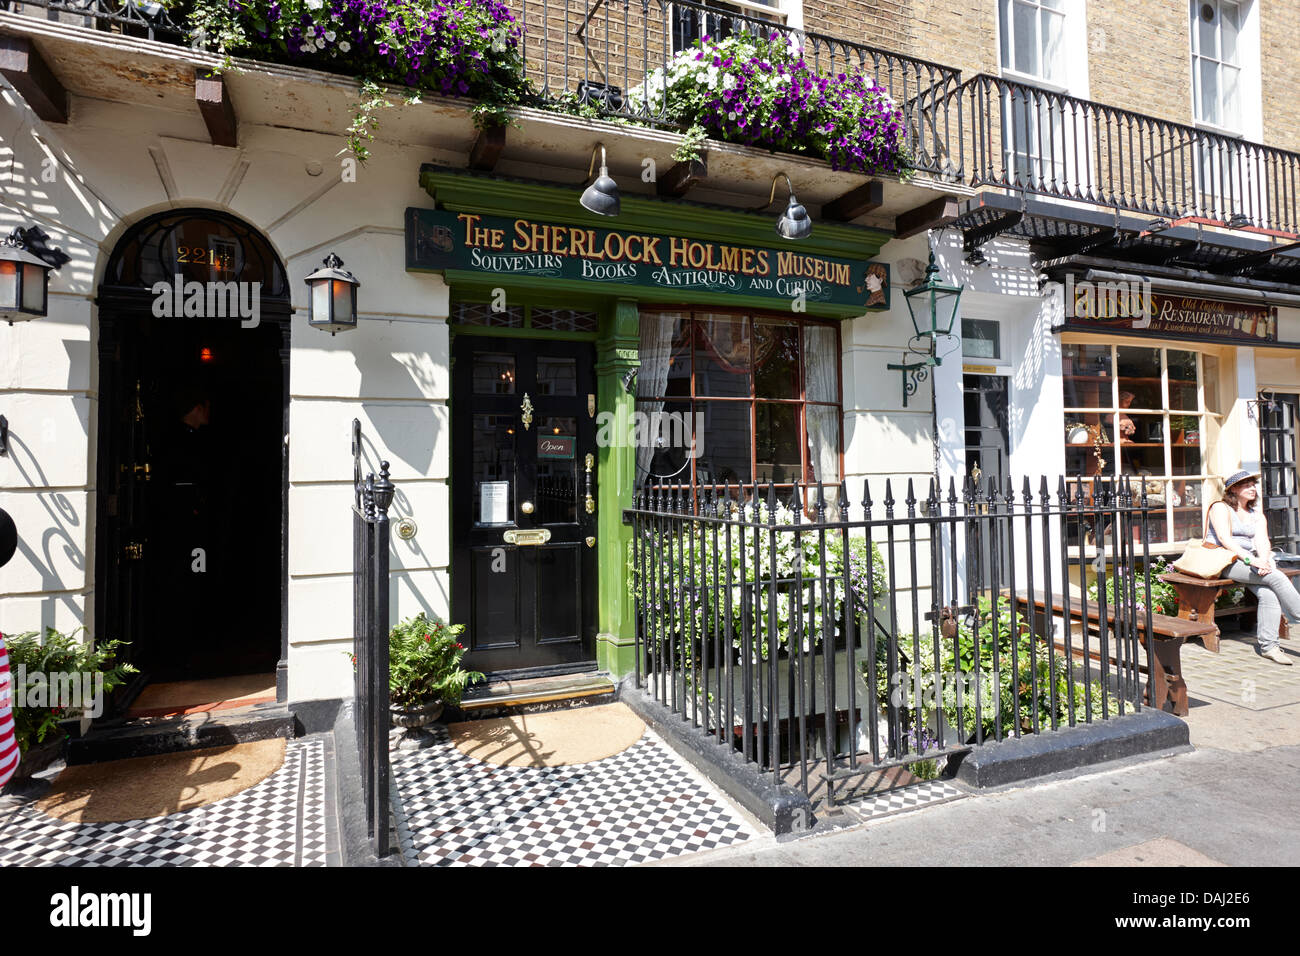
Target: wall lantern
(601, 197)
(332, 304)
(795, 222)
(25, 264)
(933, 307)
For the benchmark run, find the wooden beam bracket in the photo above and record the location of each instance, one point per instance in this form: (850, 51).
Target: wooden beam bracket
(486, 151)
(856, 202)
(678, 181)
(932, 215)
(215, 105)
(22, 65)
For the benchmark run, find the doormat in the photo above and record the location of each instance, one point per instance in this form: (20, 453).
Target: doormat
(556, 739)
(143, 787)
(200, 696)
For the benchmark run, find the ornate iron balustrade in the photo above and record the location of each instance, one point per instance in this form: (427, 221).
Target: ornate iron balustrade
(827, 650)
(1024, 138)
(139, 18)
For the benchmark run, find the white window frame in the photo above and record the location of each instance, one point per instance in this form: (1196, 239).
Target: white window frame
(784, 12)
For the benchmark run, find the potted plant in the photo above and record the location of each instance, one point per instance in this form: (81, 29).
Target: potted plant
(424, 675)
(56, 680)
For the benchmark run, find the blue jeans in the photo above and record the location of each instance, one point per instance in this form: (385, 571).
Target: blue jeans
(1276, 595)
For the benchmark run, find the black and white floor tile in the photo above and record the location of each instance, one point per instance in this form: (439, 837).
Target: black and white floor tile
(640, 805)
(278, 822)
(906, 798)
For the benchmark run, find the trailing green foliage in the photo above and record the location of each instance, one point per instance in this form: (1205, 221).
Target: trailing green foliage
(1032, 681)
(690, 582)
(44, 669)
(424, 663)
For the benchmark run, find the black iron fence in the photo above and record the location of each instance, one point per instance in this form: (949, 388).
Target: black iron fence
(370, 540)
(827, 648)
(1025, 138)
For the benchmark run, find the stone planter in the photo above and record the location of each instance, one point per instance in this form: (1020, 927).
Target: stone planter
(416, 721)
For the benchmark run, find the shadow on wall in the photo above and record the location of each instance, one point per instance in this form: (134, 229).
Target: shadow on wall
(58, 536)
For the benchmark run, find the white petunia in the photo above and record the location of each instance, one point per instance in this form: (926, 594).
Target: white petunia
(329, 35)
(315, 4)
(344, 45)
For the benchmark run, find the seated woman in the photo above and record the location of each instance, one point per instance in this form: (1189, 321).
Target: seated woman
(1237, 523)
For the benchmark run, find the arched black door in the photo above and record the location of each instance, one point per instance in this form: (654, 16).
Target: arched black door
(192, 462)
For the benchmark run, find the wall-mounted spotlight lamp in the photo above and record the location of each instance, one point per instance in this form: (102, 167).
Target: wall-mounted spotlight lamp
(332, 301)
(25, 264)
(601, 197)
(794, 223)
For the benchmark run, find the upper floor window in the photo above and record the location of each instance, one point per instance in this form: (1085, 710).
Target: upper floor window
(722, 18)
(1032, 34)
(1216, 64)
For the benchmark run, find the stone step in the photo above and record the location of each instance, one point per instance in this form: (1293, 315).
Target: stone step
(148, 736)
(500, 698)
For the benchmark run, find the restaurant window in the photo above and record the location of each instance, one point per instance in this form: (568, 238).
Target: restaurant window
(1148, 414)
(726, 398)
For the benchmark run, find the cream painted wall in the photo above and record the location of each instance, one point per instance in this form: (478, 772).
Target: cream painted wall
(85, 184)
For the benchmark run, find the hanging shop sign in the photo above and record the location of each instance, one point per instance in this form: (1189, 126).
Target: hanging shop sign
(1135, 309)
(438, 239)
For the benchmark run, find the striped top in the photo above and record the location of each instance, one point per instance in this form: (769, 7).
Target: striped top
(8, 742)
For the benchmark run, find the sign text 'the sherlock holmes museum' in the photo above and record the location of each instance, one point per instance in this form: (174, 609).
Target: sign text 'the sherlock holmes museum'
(439, 239)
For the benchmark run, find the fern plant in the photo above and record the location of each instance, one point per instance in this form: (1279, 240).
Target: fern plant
(424, 663)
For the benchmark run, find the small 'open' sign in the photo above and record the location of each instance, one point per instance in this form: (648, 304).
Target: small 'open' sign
(554, 446)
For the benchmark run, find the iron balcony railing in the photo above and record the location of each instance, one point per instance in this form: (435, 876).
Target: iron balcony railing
(827, 650)
(608, 54)
(1024, 138)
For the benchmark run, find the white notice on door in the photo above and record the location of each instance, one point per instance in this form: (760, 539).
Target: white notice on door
(494, 502)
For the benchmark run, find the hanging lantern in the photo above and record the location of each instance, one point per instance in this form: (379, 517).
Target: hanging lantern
(332, 304)
(933, 305)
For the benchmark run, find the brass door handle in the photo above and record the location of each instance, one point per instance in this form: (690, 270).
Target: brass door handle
(526, 507)
(526, 412)
(591, 502)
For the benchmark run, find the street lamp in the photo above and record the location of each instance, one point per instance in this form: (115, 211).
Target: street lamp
(332, 304)
(24, 275)
(933, 307)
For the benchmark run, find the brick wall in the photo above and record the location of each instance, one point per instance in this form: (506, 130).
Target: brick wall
(1141, 63)
(1279, 43)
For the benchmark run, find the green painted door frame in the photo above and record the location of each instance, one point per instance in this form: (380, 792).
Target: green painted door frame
(618, 341)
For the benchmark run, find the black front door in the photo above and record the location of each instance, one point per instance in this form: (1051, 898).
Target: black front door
(524, 568)
(1277, 438)
(190, 494)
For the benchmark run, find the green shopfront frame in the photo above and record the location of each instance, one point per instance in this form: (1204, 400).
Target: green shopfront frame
(712, 236)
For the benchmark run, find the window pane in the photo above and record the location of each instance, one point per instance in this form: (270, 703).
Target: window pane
(557, 376)
(722, 448)
(1205, 31)
(1026, 38)
(980, 338)
(1087, 373)
(1005, 20)
(494, 373)
(494, 469)
(722, 356)
(1231, 115)
(1053, 60)
(1182, 380)
(1228, 33)
(776, 360)
(665, 356)
(476, 313)
(565, 320)
(663, 440)
(824, 442)
(1209, 92)
(821, 361)
(557, 477)
(1210, 364)
(777, 443)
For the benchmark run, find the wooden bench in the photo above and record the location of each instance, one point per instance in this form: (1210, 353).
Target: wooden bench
(1166, 689)
(1196, 597)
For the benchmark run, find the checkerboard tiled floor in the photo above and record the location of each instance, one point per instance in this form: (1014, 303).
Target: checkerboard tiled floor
(905, 798)
(639, 805)
(278, 822)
